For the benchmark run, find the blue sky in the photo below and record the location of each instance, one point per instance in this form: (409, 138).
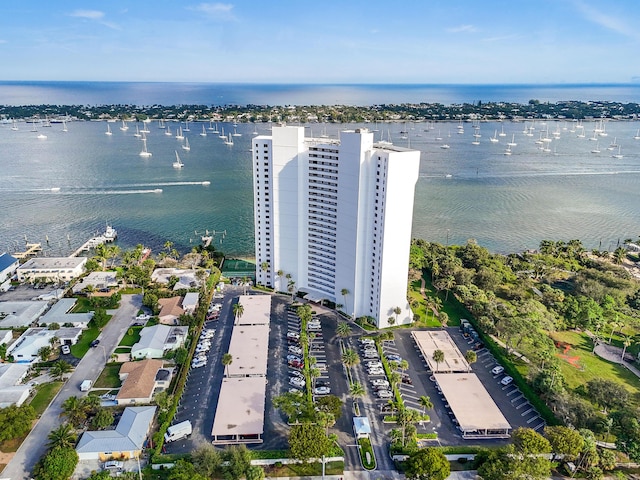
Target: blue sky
(296, 41)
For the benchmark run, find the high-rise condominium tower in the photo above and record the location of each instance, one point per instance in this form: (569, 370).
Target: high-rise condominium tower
(333, 219)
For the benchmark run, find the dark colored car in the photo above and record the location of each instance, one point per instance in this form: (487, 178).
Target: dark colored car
(94, 343)
(407, 380)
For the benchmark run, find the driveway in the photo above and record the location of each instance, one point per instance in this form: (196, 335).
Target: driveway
(34, 446)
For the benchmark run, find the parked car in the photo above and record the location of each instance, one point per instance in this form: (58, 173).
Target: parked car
(373, 364)
(293, 335)
(375, 371)
(497, 370)
(366, 341)
(296, 364)
(321, 391)
(291, 357)
(384, 393)
(95, 343)
(314, 326)
(394, 358)
(198, 363)
(295, 349)
(143, 317)
(506, 380)
(371, 354)
(380, 382)
(407, 380)
(297, 382)
(295, 373)
(65, 349)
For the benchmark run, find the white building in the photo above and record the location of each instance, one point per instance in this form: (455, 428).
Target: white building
(54, 269)
(155, 341)
(334, 216)
(25, 349)
(8, 266)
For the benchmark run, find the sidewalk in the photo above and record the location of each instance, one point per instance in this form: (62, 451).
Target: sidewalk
(614, 354)
(378, 475)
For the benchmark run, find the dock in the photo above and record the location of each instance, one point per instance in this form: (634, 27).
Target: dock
(32, 249)
(107, 237)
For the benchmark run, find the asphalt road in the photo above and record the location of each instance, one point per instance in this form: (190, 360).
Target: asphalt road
(34, 446)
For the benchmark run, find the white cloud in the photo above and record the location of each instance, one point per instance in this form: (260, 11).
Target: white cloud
(90, 14)
(610, 22)
(462, 29)
(217, 11)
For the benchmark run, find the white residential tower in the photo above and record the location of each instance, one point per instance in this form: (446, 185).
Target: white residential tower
(333, 217)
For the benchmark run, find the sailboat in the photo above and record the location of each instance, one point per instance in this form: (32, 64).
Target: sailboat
(204, 132)
(108, 132)
(145, 129)
(64, 126)
(508, 150)
(179, 135)
(617, 155)
(186, 145)
(161, 123)
(40, 136)
(235, 133)
(636, 137)
(597, 149)
(502, 134)
(215, 129)
(512, 143)
(186, 126)
(222, 135)
(124, 127)
(229, 140)
(255, 130)
(613, 145)
(145, 153)
(14, 127)
(211, 126)
(494, 139)
(178, 163)
(167, 132)
(137, 134)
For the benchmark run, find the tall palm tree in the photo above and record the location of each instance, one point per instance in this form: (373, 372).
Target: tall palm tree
(343, 329)
(391, 321)
(59, 369)
(227, 359)
(74, 410)
(395, 378)
(626, 342)
(404, 365)
(356, 390)
(314, 373)
(344, 292)
(397, 311)
(426, 403)
(438, 356)
(471, 357)
(619, 254)
(238, 311)
(63, 436)
(350, 358)
(44, 353)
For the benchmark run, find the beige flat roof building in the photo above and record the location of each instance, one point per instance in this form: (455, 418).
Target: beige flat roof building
(240, 413)
(257, 310)
(249, 348)
(477, 414)
(429, 341)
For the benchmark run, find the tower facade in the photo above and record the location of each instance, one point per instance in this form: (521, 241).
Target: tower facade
(333, 219)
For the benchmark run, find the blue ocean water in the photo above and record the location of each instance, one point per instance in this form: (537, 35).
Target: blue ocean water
(66, 187)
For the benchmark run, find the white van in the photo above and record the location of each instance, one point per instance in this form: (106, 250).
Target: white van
(113, 465)
(85, 386)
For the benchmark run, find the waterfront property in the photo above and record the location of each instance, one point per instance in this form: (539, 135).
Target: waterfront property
(155, 341)
(51, 269)
(335, 216)
(186, 278)
(96, 281)
(429, 341)
(170, 310)
(8, 266)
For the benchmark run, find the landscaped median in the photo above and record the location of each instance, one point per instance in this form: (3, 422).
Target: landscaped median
(367, 456)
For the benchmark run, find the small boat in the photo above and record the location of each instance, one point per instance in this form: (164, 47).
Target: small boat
(108, 132)
(161, 123)
(124, 127)
(145, 153)
(597, 149)
(445, 146)
(618, 155)
(179, 135)
(215, 129)
(235, 133)
(137, 134)
(229, 140)
(636, 137)
(186, 145)
(508, 150)
(178, 163)
(494, 139)
(502, 134)
(476, 141)
(211, 126)
(186, 127)
(64, 126)
(222, 135)
(613, 145)
(203, 133)
(14, 126)
(145, 129)
(206, 182)
(512, 143)
(167, 132)
(255, 130)
(55, 189)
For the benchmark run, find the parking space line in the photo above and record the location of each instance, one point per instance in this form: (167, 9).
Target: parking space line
(515, 390)
(541, 425)
(514, 400)
(527, 412)
(533, 418)
(522, 405)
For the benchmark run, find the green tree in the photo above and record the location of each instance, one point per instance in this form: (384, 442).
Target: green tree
(426, 403)
(427, 464)
(63, 436)
(16, 421)
(607, 393)
(508, 464)
(227, 359)
(238, 462)
(343, 329)
(184, 470)
(530, 442)
(344, 292)
(350, 358)
(58, 464)
(325, 420)
(100, 318)
(255, 472)
(356, 390)
(397, 311)
(295, 406)
(180, 355)
(74, 410)
(564, 441)
(59, 369)
(238, 311)
(330, 404)
(206, 461)
(471, 357)
(102, 419)
(438, 356)
(44, 353)
(307, 441)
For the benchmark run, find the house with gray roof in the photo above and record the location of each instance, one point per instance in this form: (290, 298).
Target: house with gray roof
(60, 313)
(12, 392)
(25, 349)
(155, 341)
(20, 313)
(126, 441)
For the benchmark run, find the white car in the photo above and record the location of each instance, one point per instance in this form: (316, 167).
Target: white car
(296, 373)
(497, 370)
(65, 349)
(373, 364)
(143, 317)
(366, 341)
(313, 326)
(371, 354)
(198, 364)
(321, 391)
(297, 382)
(375, 371)
(295, 349)
(293, 336)
(379, 382)
(506, 380)
(384, 393)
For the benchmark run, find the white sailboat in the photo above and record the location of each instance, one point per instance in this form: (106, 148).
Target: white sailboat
(64, 126)
(508, 150)
(494, 139)
(179, 135)
(211, 129)
(161, 123)
(168, 132)
(512, 143)
(445, 146)
(229, 140)
(636, 137)
(597, 149)
(137, 134)
(14, 126)
(617, 155)
(186, 145)
(613, 145)
(145, 153)
(124, 127)
(235, 133)
(145, 129)
(186, 126)
(108, 132)
(204, 132)
(222, 135)
(178, 163)
(215, 129)
(255, 130)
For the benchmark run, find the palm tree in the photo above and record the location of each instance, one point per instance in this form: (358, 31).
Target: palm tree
(63, 437)
(471, 357)
(397, 311)
(74, 410)
(395, 378)
(314, 373)
(626, 342)
(444, 319)
(291, 288)
(326, 420)
(350, 358)
(391, 320)
(59, 369)
(112, 252)
(343, 329)
(44, 352)
(344, 292)
(356, 390)
(227, 359)
(619, 254)
(404, 365)
(438, 356)
(238, 310)
(426, 403)
(101, 254)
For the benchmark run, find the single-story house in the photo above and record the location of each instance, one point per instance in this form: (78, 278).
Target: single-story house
(25, 349)
(170, 310)
(97, 280)
(8, 266)
(12, 392)
(59, 313)
(155, 341)
(55, 269)
(186, 278)
(190, 302)
(6, 336)
(21, 313)
(140, 380)
(126, 441)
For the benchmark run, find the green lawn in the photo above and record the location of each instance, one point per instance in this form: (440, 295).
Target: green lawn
(588, 366)
(109, 377)
(83, 305)
(452, 307)
(89, 335)
(44, 395)
(131, 337)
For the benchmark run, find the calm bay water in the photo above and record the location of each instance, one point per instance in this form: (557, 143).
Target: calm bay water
(507, 203)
